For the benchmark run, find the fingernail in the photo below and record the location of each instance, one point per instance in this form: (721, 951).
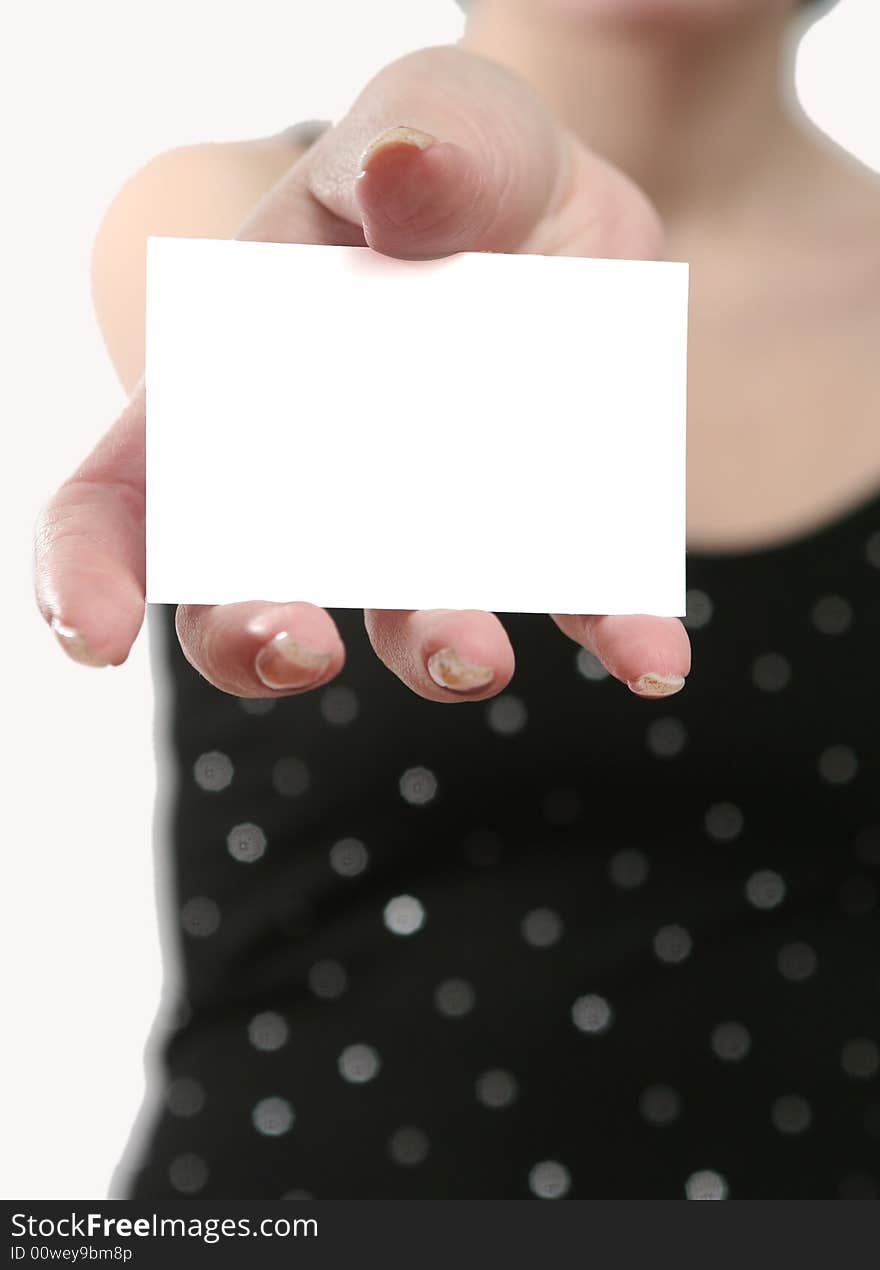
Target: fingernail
(448, 670)
(76, 645)
(283, 663)
(656, 685)
(399, 136)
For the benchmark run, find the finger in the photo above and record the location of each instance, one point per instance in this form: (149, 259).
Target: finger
(443, 654)
(89, 548)
(488, 168)
(448, 658)
(257, 649)
(445, 151)
(651, 655)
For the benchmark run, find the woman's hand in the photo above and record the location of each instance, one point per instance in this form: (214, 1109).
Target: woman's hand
(443, 152)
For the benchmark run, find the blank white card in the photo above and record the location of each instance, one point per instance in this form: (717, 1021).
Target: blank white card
(501, 432)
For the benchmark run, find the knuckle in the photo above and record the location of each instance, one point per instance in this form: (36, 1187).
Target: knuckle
(470, 98)
(422, 66)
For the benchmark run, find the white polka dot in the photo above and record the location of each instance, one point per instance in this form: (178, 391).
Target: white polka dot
(771, 672)
(257, 706)
(872, 550)
(628, 868)
(246, 843)
(408, 1146)
(454, 998)
(327, 979)
(542, 928)
(200, 916)
(706, 1184)
(590, 667)
(832, 615)
(672, 944)
(724, 822)
(290, 777)
(592, 1014)
(348, 857)
(358, 1064)
(791, 1114)
(506, 715)
(267, 1031)
(666, 738)
(549, 1180)
(796, 962)
(339, 705)
(660, 1105)
(860, 1058)
(213, 771)
(185, 1097)
(418, 786)
(272, 1117)
(731, 1042)
(765, 889)
(188, 1173)
(698, 610)
(404, 915)
(497, 1088)
(838, 764)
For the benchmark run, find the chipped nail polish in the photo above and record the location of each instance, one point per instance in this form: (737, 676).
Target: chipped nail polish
(652, 685)
(448, 670)
(76, 645)
(283, 663)
(401, 135)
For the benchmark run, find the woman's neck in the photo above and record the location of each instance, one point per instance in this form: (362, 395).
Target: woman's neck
(701, 116)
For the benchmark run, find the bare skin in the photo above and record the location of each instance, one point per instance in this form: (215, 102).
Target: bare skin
(782, 436)
(782, 229)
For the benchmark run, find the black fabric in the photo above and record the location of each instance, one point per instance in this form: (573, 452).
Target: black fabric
(706, 861)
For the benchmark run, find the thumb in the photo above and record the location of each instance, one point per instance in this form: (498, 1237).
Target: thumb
(443, 151)
(446, 151)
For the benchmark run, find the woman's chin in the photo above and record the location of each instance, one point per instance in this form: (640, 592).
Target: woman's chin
(666, 12)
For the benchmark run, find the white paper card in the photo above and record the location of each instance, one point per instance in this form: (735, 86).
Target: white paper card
(501, 432)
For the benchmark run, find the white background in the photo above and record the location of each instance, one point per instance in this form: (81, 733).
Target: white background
(91, 90)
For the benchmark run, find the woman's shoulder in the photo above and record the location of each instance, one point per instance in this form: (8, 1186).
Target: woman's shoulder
(192, 191)
(853, 193)
(834, 222)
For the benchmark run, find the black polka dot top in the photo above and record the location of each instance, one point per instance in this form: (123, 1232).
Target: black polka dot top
(566, 943)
